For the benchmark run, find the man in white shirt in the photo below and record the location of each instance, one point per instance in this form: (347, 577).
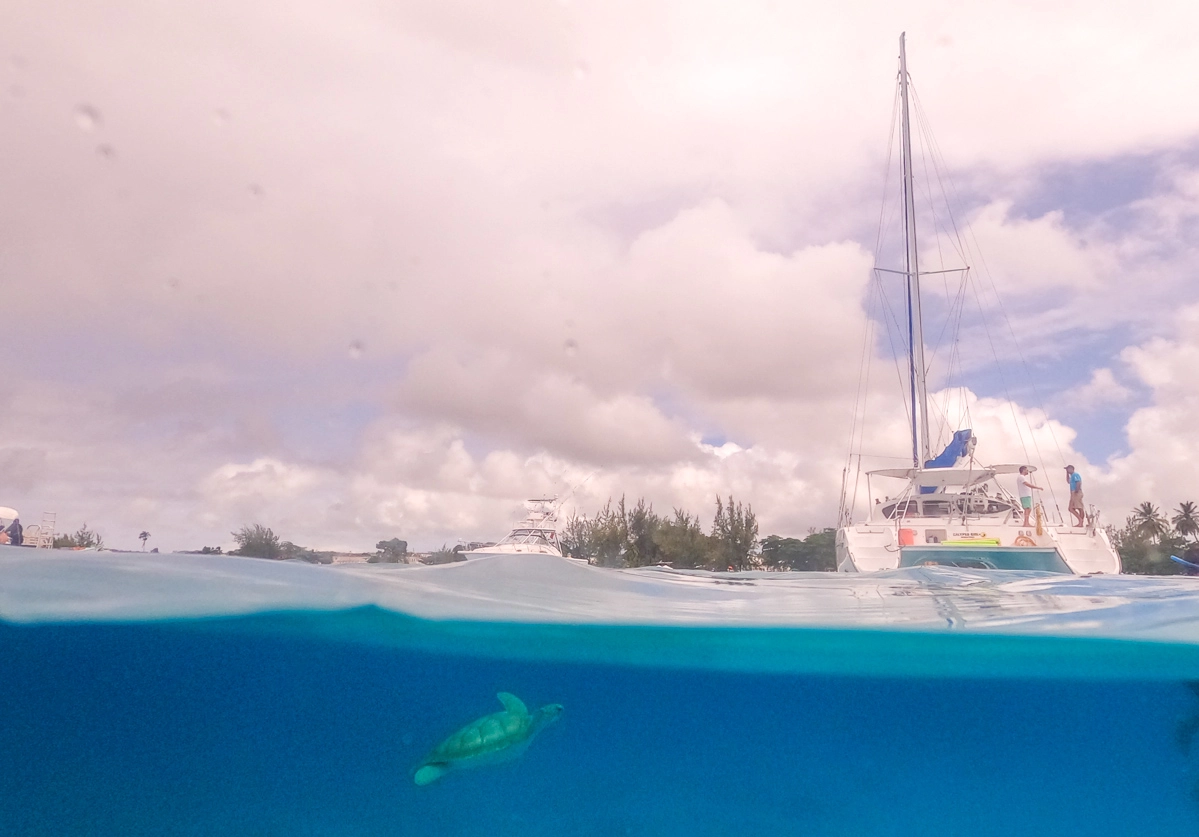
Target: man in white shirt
(1026, 487)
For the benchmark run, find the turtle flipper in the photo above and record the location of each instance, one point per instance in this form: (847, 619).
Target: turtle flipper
(513, 704)
(429, 773)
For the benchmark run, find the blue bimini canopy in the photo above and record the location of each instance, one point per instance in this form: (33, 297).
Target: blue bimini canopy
(955, 450)
(958, 447)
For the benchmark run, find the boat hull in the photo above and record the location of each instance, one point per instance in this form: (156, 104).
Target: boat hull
(871, 547)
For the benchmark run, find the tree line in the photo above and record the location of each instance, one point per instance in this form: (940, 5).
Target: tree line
(1148, 538)
(258, 541)
(84, 538)
(624, 535)
(634, 535)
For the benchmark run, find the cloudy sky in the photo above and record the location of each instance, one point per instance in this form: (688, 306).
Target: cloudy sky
(376, 268)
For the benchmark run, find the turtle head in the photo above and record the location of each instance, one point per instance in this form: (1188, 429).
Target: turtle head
(547, 714)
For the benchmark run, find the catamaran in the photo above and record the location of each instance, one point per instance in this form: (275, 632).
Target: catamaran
(950, 509)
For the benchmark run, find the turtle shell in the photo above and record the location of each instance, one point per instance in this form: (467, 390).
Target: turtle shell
(492, 739)
(481, 737)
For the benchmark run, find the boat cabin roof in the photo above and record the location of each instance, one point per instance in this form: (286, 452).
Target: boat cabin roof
(530, 534)
(941, 477)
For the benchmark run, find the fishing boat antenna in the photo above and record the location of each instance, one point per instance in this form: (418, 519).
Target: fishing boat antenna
(568, 494)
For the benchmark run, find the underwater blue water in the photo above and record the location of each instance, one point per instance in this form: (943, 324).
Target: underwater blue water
(310, 721)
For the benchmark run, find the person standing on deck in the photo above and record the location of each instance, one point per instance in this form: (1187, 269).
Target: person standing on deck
(1026, 488)
(1074, 480)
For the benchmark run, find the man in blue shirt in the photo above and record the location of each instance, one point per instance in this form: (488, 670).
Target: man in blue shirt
(1074, 480)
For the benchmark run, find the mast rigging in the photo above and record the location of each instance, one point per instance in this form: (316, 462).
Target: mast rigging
(921, 449)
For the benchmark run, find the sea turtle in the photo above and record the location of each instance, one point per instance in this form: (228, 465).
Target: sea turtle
(492, 739)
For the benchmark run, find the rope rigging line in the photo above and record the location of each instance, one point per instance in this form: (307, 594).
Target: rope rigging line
(942, 177)
(861, 396)
(954, 401)
(1038, 401)
(974, 253)
(990, 284)
(955, 303)
(878, 239)
(965, 251)
(907, 406)
(922, 131)
(859, 410)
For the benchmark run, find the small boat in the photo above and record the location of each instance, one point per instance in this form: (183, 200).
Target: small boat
(951, 510)
(8, 516)
(536, 534)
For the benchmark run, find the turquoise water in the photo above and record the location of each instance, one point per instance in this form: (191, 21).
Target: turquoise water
(179, 696)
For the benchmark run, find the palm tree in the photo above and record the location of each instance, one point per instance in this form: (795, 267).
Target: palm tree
(1148, 522)
(143, 537)
(1186, 520)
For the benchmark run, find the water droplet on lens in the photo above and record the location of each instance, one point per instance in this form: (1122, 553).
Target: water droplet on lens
(220, 116)
(256, 190)
(16, 91)
(106, 151)
(571, 347)
(582, 69)
(356, 349)
(88, 118)
(173, 284)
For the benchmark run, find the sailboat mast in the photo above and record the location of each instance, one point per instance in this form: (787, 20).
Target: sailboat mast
(916, 367)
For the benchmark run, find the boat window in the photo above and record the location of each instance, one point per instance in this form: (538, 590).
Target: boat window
(530, 537)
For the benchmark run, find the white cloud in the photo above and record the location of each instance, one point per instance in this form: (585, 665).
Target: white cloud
(392, 279)
(1163, 463)
(1102, 391)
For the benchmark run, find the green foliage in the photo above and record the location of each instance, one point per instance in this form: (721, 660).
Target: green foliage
(211, 550)
(289, 551)
(143, 537)
(445, 555)
(575, 538)
(816, 552)
(734, 535)
(1186, 520)
(390, 552)
(1147, 539)
(641, 529)
(84, 538)
(682, 543)
(257, 541)
(637, 536)
(1148, 522)
(608, 536)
